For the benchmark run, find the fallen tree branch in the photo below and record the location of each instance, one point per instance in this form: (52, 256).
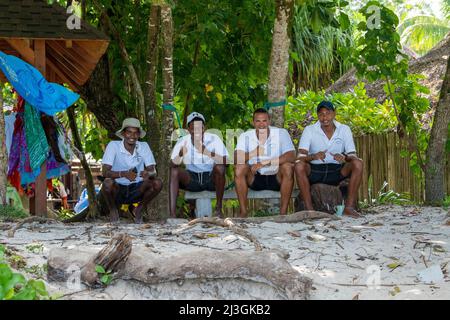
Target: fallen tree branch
(203, 273)
(29, 220)
(229, 224)
(112, 258)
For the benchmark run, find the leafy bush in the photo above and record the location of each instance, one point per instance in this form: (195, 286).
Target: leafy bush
(12, 213)
(355, 109)
(14, 286)
(446, 202)
(384, 196)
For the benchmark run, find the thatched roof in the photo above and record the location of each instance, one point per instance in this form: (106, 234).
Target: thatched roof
(432, 66)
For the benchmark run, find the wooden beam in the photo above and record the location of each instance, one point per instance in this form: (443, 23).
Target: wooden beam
(23, 48)
(40, 55)
(40, 190)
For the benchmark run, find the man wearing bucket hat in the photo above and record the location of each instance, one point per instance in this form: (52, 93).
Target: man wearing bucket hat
(327, 154)
(204, 156)
(128, 167)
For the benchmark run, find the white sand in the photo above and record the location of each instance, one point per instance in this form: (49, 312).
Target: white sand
(341, 257)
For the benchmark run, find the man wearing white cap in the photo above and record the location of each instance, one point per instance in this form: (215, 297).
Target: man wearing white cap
(204, 156)
(129, 170)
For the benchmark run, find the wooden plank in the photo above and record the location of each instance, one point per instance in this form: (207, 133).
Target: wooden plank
(40, 192)
(62, 76)
(23, 48)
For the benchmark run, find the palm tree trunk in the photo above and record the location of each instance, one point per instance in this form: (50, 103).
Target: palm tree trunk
(3, 157)
(168, 95)
(279, 59)
(436, 156)
(152, 112)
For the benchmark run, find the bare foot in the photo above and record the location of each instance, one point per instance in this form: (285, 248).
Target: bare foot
(349, 211)
(219, 213)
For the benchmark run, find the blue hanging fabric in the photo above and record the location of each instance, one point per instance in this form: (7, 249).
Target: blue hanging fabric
(45, 96)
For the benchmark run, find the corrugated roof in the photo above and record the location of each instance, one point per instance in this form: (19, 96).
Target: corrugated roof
(36, 19)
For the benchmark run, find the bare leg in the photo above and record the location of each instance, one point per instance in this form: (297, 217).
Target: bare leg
(243, 177)
(285, 177)
(302, 171)
(109, 191)
(150, 188)
(355, 167)
(177, 176)
(218, 176)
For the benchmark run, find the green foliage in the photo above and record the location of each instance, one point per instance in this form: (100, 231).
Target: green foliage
(14, 286)
(321, 30)
(384, 196)
(12, 213)
(363, 114)
(379, 57)
(105, 276)
(261, 213)
(446, 202)
(64, 214)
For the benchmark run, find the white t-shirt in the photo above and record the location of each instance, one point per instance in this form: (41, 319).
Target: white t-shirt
(278, 143)
(194, 160)
(121, 160)
(315, 140)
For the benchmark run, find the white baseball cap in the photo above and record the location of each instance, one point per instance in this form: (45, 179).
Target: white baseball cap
(194, 115)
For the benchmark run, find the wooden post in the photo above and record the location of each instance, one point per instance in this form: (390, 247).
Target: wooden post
(38, 203)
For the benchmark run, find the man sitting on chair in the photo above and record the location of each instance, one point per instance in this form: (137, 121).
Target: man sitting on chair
(128, 167)
(264, 160)
(204, 156)
(327, 154)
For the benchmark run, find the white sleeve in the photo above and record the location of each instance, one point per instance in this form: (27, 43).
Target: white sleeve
(286, 142)
(243, 142)
(109, 155)
(349, 143)
(149, 159)
(176, 149)
(305, 140)
(219, 147)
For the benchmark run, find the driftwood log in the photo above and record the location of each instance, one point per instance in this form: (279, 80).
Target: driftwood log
(197, 273)
(324, 197)
(112, 258)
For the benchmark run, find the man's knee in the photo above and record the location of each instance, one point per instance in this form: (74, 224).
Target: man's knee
(287, 169)
(219, 169)
(108, 185)
(357, 165)
(157, 185)
(301, 168)
(240, 170)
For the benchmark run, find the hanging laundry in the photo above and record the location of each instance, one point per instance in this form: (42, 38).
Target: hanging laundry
(45, 96)
(9, 130)
(36, 140)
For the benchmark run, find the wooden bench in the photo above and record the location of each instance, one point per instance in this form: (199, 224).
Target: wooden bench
(202, 199)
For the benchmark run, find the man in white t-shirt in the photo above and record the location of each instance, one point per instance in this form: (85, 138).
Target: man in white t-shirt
(128, 167)
(264, 159)
(204, 156)
(327, 154)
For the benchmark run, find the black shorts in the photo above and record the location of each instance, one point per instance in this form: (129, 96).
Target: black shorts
(129, 194)
(265, 182)
(200, 181)
(328, 173)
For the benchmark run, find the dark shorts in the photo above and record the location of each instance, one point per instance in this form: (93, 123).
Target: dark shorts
(129, 194)
(200, 181)
(329, 173)
(265, 182)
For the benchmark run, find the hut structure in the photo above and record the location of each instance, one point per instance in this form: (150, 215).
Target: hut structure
(60, 45)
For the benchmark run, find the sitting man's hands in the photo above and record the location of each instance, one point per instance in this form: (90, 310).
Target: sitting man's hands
(130, 175)
(319, 155)
(148, 174)
(339, 157)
